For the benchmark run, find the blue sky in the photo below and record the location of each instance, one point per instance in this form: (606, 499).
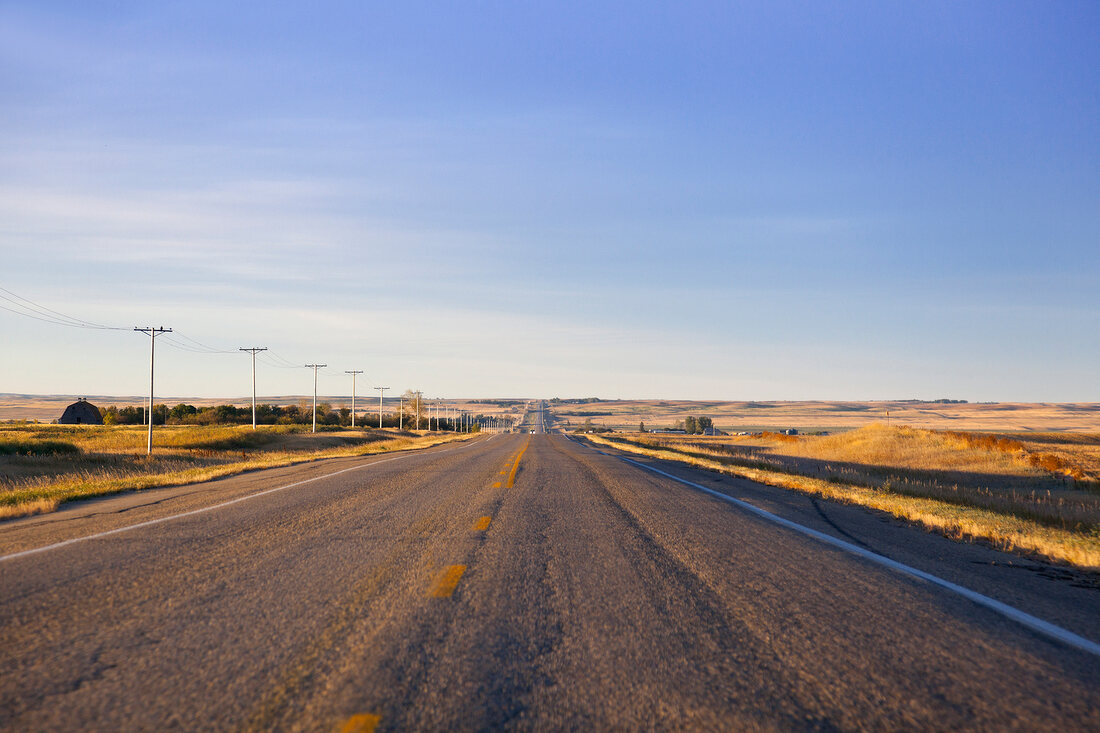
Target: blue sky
(695, 200)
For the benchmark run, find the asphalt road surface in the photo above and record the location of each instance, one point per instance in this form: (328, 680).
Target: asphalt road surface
(524, 582)
(535, 420)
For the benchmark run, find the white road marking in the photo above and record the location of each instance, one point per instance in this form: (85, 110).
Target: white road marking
(1032, 622)
(149, 523)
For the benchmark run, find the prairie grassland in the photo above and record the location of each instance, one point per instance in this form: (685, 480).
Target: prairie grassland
(813, 415)
(43, 466)
(1038, 496)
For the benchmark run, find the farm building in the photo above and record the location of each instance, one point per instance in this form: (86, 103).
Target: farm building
(81, 412)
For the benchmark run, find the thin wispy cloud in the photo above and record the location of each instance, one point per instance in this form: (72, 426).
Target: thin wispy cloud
(760, 203)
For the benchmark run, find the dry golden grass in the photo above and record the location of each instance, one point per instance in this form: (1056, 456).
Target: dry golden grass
(963, 486)
(813, 415)
(36, 477)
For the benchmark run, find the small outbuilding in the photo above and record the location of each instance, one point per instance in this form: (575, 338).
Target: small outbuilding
(81, 412)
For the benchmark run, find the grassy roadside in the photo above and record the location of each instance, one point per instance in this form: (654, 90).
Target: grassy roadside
(1017, 532)
(44, 466)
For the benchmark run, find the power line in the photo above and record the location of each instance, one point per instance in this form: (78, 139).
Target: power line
(277, 365)
(37, 318)
(18, 305)
(283, 362)
(180, 346)
(201, 345)
(47, 315)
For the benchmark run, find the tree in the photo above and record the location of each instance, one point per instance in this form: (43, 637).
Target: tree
(131, 415)
(641, 427)
(705, 424)
(691, 427)
(410, 408)
(181, 412)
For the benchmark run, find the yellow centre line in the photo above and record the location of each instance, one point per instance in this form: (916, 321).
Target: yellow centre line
(361, 724)
(447, 581)
(496, 484)
(515, 466)
(482, 524)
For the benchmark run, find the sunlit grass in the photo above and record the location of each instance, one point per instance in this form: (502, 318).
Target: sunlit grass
(961, 486)
(43, 466)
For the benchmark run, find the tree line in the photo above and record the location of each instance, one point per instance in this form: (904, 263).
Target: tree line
(691, 425)
(300, 414)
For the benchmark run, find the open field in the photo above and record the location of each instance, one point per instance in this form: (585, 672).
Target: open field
(42, 466)
(1039, 493)
(832, 416)
(626, 414)
(47, 408)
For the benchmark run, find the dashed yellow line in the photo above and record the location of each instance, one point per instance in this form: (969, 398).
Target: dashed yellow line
(515, 466)
(482, 524)
(447, 581)
(363, 723)
(496, 484)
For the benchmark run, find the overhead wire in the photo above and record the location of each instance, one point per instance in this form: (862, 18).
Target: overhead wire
(27, 308)
(37, 318)
(286, 363)
(179, 345)
(42, 313)
(200, 346)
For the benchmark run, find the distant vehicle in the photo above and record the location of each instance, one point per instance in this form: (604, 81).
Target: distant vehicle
(790, 431)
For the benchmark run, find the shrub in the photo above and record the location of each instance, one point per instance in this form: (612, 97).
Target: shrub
(37, 448)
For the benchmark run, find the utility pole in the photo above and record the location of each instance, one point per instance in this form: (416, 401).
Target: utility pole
(418, 410)
(381, 393)
(253, 351)
(400, 413)
(315, 367)
(353, 372)
(153, 333)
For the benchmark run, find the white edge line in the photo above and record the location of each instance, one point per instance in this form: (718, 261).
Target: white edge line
(1032, 622)
(246, 497)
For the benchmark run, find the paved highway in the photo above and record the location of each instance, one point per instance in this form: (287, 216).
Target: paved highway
(535, 419)
(521, 581)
